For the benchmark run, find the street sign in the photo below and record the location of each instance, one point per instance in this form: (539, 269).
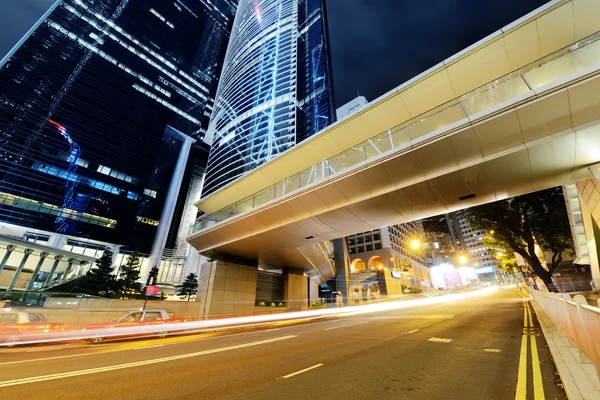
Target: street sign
(152, 291)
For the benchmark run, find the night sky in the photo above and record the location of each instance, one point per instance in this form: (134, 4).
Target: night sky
(376, 44)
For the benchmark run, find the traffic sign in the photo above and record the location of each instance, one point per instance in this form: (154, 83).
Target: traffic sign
(152, 291)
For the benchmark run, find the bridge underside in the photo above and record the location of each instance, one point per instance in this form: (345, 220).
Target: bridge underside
(428, 182)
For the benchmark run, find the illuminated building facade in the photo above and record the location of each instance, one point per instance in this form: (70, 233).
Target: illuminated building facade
(103, 110)
(276, 87)
(469, 242)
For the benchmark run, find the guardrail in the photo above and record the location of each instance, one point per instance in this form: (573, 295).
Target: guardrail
(577, 321)
(516, 85)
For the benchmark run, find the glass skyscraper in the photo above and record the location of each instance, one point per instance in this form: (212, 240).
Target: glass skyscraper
(97, 104)
(276, 88)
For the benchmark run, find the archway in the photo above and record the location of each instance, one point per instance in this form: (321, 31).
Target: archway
(358, 265)
(376, 263)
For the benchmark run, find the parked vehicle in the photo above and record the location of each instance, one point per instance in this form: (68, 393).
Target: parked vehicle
(136, 318)
(17, 326)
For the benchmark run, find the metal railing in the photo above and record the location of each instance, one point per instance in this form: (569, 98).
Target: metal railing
(577, 321)
(584, 53)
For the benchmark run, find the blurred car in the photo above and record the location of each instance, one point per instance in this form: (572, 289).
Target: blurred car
(135, 318)
(17, 326)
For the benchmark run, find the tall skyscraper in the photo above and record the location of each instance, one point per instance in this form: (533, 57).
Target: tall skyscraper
(276, 88)
(100, 106)
(469, 242)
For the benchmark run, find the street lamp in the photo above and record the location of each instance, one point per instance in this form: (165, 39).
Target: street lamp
(415, 244)
(463, 259)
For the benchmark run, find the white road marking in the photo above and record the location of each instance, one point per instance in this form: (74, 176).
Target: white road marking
(439, 340)
(344, 326)
(413, 331)
(272, 330)
(301, 371)
(23, 381)
(492, 350)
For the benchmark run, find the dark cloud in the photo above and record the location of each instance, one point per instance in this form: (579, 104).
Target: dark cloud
(379, 44)
(16, 18)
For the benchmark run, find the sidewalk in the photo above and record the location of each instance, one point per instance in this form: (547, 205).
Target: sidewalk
(580, 380)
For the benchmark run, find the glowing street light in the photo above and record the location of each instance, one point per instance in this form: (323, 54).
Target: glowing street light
(463, 259)
(415, 244)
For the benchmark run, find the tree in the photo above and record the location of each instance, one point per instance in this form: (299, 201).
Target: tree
(152, 276)
(521, 223)
(99, 281)
(189, 287)
(129, 275)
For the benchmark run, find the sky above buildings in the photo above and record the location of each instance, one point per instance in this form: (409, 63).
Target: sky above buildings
(376, 44)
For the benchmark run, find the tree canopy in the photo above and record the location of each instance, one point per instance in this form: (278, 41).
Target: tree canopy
(521, 223)
(99, 281)
(129, 274)
(189, 287)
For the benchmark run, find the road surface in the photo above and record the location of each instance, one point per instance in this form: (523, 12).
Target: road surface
(478, 348)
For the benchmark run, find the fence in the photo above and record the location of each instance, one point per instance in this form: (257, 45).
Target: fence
(577, 321)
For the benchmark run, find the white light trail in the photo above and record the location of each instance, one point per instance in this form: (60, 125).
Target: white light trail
(195, 326)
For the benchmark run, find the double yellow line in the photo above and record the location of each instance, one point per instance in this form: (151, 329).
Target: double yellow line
(538, 386)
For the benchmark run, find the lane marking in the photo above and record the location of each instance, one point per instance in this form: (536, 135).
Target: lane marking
(272, 330)
(538, 385)
(413, 331)
(492, 350)
(300, 372)
(439, 340)
(521, 393)
(42, 378)
(344, 326)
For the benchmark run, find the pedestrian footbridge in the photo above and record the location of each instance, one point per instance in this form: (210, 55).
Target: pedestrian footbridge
(515, 113)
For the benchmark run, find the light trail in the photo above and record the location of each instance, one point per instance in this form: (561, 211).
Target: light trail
(195, 326)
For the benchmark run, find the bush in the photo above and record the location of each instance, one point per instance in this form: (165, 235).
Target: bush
(281, 305)
(273, 304)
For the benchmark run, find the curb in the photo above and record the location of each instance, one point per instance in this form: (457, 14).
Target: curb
(579, 380)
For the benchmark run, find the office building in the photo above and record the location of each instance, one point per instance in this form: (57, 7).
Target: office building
(276, 88)
(104, 107)
(438, 244)
(386, 261)
(469, 242)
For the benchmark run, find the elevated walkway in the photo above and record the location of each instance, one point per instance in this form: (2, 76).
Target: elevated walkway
(508, 134)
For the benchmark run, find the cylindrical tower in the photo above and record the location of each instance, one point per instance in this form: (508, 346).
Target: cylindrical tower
(254, 118)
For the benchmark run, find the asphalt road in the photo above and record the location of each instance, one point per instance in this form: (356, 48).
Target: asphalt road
(478, 348)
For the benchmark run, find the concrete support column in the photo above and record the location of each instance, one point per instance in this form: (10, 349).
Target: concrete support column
(590, 214)
(38, 267)
(57, 241)
(160, 239)
(52, 270)
(26, 254)
(227, 288)
(295, 288)
(9, 250)
(342, 266)
(70, 262)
